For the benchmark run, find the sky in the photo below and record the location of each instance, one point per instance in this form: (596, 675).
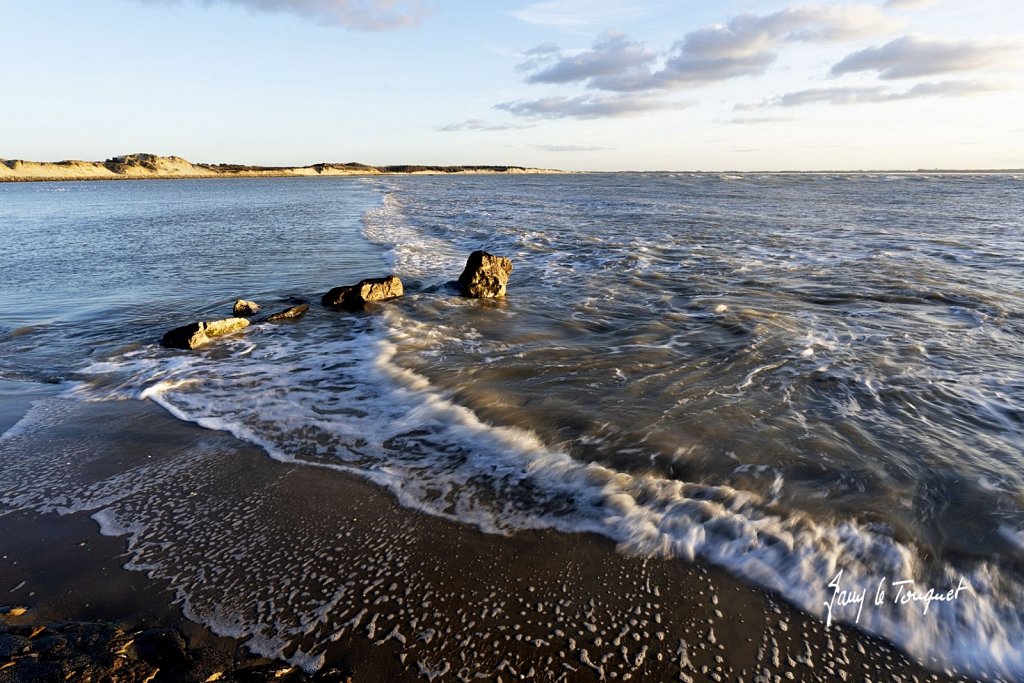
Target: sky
(572, 84)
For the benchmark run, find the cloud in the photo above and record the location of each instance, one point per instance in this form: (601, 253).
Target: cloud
(480, 124)
(571, 148)
(912, 56)
(363, 15)
(757, 120)
(587, 106)
(569, 14)
(875, 94)
(612, 54)
(749, 33)
(745, 46)
(909, 4)
(685, 69)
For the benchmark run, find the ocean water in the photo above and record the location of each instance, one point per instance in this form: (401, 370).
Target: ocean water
(787, 376)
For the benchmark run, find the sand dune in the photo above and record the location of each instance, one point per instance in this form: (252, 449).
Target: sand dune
(138, 166)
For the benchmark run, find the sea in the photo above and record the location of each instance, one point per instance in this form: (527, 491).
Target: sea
(813, 381)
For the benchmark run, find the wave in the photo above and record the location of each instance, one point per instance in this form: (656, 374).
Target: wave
(346, 405)
(335, 394)
(344, 402)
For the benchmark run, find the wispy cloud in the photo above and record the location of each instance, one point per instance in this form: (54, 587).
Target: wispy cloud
(758, 120)
(909, 4)
(363, 15)
(571, 148)
(481, 125)
(745, 46)
(587, 106)
(913, 56)
(874, 94)
(576, 14)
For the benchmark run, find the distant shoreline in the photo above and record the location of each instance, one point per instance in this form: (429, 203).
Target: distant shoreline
(153, 167)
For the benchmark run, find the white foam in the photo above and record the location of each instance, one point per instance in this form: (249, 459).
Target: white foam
(415, 254)
(339, 399)
(470, 471)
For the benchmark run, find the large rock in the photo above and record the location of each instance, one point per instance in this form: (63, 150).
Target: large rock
(485, 276)
(245, 308)
(288, 314)
(194, 335)
(357, 296)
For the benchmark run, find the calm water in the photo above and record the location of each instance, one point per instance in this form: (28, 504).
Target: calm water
(786, 375)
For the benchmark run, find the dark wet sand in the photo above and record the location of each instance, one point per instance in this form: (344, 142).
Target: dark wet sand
(413, 597)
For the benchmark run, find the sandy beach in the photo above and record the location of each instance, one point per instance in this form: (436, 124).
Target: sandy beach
(411, 597)
(156, 167)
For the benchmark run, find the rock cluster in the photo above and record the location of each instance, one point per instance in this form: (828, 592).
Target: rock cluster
(100, 651)
(485, 276)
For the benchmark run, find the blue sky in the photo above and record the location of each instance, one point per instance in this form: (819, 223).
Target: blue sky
(575, 84)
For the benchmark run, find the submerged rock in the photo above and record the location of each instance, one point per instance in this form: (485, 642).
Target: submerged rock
(292, 313)
(357, 296)
(485, 276)
(245, 308)
(194, 335)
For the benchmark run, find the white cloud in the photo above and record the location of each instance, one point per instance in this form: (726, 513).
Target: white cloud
(364, 15)
(612, 54)
(569, 14)
(913, 56)
(587, 106)
(749, 33)
(909, 4)
(481, 125)
(758, 120)
(571, 148)
(874, 94)
(745, 46)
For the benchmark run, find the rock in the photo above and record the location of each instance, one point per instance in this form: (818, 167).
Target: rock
(357, 296)
(31, 671)
(11, 645)
(245, 308)
(88, 636)
(194, 335)
(189, 336)
(292, 313)
(218, 328)
(485, 276)
(51, 646)
(163, 648)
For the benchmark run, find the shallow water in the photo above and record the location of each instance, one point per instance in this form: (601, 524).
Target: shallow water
(786, 375)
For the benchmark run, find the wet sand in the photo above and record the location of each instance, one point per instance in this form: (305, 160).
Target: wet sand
(258, 548)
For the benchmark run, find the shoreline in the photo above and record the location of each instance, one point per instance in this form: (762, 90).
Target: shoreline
(407, 596)
(238, 176)
(154, 167)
